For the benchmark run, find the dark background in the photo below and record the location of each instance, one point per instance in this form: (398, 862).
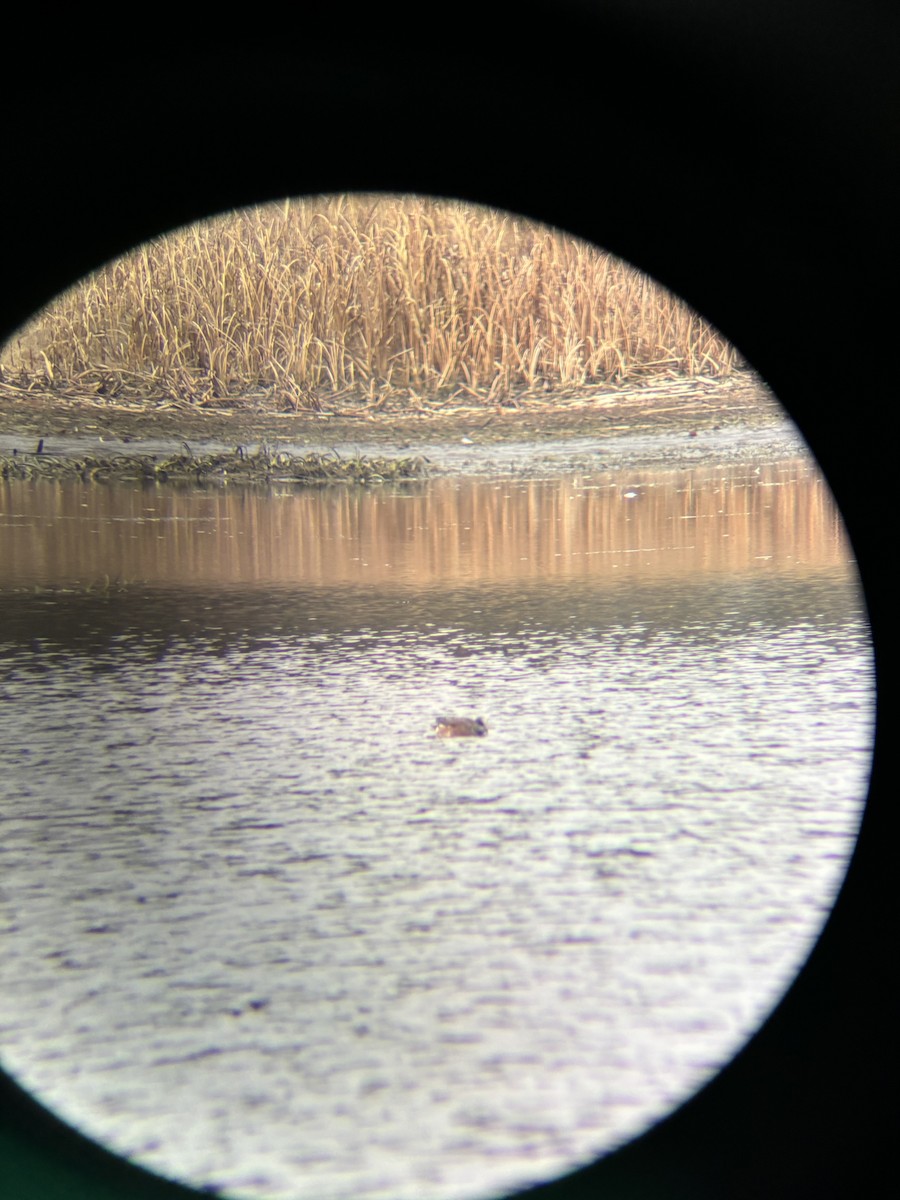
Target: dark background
(744, 154)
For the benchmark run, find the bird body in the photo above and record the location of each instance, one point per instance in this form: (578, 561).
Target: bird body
(460, 727)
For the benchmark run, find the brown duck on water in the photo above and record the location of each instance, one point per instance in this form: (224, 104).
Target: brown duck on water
(460, 727)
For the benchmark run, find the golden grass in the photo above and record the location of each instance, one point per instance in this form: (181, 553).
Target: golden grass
(384, 299)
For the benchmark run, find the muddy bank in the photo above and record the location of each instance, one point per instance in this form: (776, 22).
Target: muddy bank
(262, 465)
(677, 422)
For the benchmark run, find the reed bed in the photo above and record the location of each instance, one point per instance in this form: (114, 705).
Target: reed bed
(373, 301)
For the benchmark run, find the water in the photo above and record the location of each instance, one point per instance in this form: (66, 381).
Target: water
(263, 931)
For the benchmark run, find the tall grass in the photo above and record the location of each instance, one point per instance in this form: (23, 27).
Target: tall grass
(364, 296)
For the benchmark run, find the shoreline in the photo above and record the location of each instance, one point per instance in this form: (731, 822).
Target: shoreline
(680, 422)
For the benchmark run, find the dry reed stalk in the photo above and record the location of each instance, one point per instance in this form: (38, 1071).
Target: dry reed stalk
(370, 295)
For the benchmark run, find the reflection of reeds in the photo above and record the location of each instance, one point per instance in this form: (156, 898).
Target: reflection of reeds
(389, 299)
(444, 533)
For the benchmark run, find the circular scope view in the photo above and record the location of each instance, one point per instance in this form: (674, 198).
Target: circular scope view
(437, 702)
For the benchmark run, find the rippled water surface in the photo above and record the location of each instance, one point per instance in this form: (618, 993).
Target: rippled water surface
(263, 930)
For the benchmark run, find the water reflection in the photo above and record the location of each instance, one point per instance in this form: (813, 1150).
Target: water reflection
(656, 524)
(264, 933)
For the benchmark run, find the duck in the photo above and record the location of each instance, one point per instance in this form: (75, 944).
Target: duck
(460, 727)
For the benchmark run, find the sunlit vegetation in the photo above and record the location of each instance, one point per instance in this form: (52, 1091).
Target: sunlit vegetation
(379, 302)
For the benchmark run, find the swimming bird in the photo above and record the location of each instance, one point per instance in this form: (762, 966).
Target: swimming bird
(460, 727)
